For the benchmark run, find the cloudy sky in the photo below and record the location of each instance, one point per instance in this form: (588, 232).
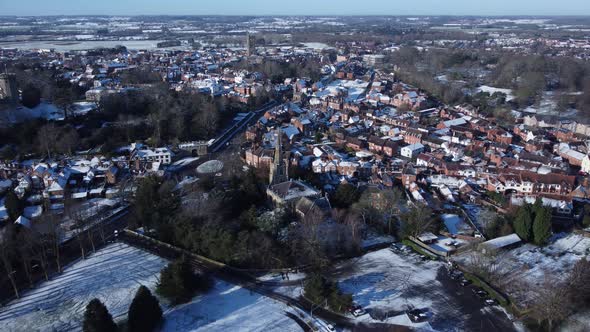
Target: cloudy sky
(295, 7)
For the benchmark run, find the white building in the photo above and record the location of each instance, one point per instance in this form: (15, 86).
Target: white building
(160, 155)
(412, 150)
(586, 164)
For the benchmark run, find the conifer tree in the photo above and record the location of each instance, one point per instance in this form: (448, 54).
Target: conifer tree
(144, 313)
(97, 318)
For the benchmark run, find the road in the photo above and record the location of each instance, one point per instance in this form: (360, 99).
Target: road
(221, 141)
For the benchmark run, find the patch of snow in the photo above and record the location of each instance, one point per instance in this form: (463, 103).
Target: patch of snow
(491, 90)
(228, 307)
(455, 224)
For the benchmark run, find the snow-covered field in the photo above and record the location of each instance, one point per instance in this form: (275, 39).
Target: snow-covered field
(112, 275)
(230, 308)
(387, 284)
(527, 266)
(80, 45)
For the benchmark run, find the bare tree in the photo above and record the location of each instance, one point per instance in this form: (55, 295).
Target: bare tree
(485, 264)
(389, 205)
(39, 254)
(578, 282)
(79, 222)
(307, 239)
(355, 225)
(417, 221)
(54, 237)
(549, 304)
(47, 138)
(25, 251)
(6, 257)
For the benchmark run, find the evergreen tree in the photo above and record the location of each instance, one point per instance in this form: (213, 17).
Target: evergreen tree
(319, 290)
(31, 96)
(538, 206)
(315, 288)
(542, 226)
(523, 223)
(97, 318)
(178, 282)
(144, 313)
(14, 206)
(345, 195)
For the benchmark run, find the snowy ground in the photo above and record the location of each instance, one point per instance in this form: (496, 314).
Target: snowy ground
(473, 210)
(386, 283)
(527, 266)
(375, 240)
(230, 308)
(455, 224)
(491, 90)
(278, 277)
(82, 108)
(112, 275)
(577, 323)
(382, 280)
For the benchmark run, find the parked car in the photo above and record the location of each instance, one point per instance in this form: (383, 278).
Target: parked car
(394, 247)
(490, 302)
(331, 328)
(405, 249)
(456, 274)
(359, 312)
(480, 293)
(417, 315)
(464, 282)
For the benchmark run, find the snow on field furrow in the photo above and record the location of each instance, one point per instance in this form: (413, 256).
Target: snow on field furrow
(112, 274)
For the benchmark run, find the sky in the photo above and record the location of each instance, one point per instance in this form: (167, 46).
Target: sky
(295, 7)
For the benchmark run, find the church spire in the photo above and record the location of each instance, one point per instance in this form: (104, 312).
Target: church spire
(278, 169)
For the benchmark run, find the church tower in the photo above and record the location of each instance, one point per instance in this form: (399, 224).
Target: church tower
(8, 90)
(250, 44)
(279, 168)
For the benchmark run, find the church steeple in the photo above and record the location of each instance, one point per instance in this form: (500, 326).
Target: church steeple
(278, 169)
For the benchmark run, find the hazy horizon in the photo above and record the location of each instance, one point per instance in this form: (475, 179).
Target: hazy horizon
(577, 8)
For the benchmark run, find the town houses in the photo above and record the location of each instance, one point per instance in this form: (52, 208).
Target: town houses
(347, 132)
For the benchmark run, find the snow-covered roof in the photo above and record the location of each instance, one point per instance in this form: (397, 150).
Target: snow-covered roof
(501, 242)
(24, 221)
(32, 212)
